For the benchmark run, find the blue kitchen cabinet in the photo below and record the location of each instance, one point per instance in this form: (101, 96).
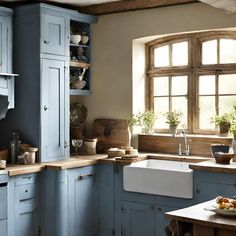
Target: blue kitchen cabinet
(82, 211)
(42, 92)
(55, 34)
(209, 185)
(23, 205)
(6, 76)
(106, 193)
(54, 115)
(69, 200)
(3, 209)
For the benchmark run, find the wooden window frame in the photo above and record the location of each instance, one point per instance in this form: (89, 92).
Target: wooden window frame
(194, 69)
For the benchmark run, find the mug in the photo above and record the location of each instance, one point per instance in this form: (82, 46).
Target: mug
(3, 164)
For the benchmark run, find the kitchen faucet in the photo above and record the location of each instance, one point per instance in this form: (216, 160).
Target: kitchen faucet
(187, 151)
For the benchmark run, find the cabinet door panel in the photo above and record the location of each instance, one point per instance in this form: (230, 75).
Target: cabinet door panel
(3, 44)
(81, 203)
(3, 202)
(3, 227)
(53, 34)
(52, 110)
(137, 219)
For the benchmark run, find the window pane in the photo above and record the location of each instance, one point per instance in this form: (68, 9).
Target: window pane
(161, 56)
(207, 85)
(179, 85)
(227, 84)
(161, 86)
(226, 104)
(180, 54)
(161, 105)
(206, 111)
(209, 52)
(227, 51)
(180, 104)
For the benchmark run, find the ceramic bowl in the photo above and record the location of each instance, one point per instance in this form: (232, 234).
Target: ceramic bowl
(75, 38)
(84, 39)
(223, 158)
(219, 148)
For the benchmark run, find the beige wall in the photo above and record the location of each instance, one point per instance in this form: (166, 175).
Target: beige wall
(112, 51)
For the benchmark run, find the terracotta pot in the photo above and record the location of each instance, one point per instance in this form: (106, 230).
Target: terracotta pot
(224, 130)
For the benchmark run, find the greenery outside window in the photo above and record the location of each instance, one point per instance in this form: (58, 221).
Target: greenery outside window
(194, 73)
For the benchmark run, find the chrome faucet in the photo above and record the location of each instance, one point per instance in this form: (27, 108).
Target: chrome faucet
(186, 151)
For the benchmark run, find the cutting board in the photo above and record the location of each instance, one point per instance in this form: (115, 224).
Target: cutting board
(111, 133)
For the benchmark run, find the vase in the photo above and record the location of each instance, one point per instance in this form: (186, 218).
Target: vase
(224, 130)
(148, 129)
(173, 129)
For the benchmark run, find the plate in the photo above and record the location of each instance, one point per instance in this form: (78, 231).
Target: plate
(222, 212)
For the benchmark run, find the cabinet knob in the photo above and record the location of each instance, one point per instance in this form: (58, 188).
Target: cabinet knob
(46, 41)
(45, 108)
(66, 145)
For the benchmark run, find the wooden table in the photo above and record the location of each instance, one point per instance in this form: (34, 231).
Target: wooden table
(203, 223)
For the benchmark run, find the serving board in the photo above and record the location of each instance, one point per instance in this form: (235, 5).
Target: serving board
(111, 133)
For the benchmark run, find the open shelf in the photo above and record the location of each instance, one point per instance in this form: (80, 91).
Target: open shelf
(79, 64)
(82, 92)
(79, 45)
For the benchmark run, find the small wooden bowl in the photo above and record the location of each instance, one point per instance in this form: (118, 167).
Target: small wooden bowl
(223, 158)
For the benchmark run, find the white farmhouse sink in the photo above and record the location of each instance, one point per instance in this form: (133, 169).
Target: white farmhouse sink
(166, 178)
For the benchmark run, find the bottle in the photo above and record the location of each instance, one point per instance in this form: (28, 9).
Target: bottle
(15, 144)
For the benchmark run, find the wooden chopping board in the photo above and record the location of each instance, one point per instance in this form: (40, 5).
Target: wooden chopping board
(111, 133)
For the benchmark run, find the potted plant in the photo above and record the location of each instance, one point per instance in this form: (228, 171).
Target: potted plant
(173, 118)
(145, 119)
(224, 122)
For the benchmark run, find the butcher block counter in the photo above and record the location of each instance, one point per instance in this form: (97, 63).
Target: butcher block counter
(212, 166)
(202, 222)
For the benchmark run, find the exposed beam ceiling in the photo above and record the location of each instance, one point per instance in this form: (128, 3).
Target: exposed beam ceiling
(99, 7)
(130, 5)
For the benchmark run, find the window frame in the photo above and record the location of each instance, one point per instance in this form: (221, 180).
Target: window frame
(194, 69)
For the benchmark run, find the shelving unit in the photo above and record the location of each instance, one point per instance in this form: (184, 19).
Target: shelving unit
(80, 76)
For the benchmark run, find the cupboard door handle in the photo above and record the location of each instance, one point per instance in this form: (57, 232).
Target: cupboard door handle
(26, 178)
(66, 145)
(46, 41)
(45, 108)
(81, 177)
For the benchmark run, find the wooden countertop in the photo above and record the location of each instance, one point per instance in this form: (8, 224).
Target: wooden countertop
(74, 162)
(212, 166)
(197, 215)
(14, 170)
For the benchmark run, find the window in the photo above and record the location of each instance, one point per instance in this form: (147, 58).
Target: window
(194, 73)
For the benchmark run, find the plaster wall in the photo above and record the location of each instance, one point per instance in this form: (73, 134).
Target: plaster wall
(114, 66)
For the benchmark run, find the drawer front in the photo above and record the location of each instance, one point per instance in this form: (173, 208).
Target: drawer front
(3, 179)
(3, 202)
(28, 191)
(26, 179)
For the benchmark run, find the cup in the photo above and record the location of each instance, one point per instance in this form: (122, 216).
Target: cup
(3, 164)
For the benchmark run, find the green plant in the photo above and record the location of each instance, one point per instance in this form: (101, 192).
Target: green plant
(225, 119)
(144, 119)
(173, 118)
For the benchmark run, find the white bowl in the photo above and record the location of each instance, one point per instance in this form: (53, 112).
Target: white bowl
(84, 39)
(76, 38)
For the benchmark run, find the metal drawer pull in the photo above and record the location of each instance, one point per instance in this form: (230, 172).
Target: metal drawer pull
(81, 177)
(26, 178)
(45, 108)
(3, 185)
(46, 41)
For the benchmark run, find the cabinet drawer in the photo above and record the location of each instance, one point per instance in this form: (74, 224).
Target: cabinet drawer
(28, 206)
(28, 191)
(26, 179)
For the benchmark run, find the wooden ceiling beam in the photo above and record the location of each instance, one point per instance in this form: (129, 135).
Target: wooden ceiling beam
(130, 5)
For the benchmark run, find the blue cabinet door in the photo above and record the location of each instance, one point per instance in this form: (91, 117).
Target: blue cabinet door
(105, 184)
(210, 185)
(81, 202)
(3, 210)
(3, 44)
(54, 38)
(137, 219)
(54, 114)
